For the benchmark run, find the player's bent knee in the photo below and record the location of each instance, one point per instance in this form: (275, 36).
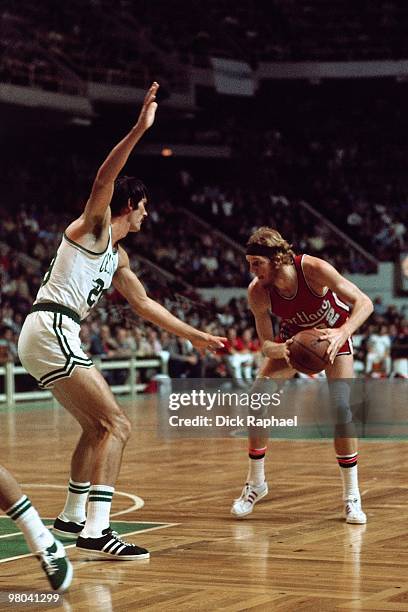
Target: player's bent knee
(114, 425)
(121, 428)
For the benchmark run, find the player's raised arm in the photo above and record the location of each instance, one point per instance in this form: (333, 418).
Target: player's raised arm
(127, 283)
(322, 275)
(102, 188)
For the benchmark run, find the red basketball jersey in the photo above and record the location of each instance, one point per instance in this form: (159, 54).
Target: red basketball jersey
(306, 309)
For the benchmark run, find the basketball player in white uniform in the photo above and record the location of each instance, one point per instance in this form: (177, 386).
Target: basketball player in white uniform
(88, 260)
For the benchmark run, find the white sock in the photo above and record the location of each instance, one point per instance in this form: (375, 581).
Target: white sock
(99, 505)
(75, 504)
(349, 475)
(256, 466)
(38, 537)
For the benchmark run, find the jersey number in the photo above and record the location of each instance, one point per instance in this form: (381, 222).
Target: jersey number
(48, 273)
(95, 293)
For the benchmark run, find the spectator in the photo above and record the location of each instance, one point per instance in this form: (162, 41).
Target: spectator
(379, 352)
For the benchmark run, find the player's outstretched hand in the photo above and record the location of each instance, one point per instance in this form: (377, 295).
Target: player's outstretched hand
(148, 112)
(208, 342)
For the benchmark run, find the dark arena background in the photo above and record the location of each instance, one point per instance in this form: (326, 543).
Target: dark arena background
(290, 114)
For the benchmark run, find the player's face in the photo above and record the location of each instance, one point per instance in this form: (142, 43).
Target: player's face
(262, 268)
(138, 215)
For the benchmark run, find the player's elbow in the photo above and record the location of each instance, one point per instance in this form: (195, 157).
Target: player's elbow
(101, 181)
(142, 307)
(369, 305)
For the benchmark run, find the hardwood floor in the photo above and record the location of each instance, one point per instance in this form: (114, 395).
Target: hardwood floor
(293, 553)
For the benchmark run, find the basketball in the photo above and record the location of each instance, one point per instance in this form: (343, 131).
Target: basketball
(307, 353)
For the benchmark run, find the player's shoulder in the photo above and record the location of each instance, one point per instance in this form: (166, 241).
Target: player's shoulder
(313, 266)
(257, 294)
(122, 256)
(93, 234)
(254, 286)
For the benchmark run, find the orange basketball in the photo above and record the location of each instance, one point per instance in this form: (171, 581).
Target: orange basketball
(307, 354)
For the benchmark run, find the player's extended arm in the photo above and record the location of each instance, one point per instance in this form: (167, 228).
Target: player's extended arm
(322, 274)
(102, 188)
(259, 303)
(127, 283)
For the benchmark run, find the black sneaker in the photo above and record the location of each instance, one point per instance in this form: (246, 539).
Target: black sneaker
(67, 529)
(56, 566)
(110, 546)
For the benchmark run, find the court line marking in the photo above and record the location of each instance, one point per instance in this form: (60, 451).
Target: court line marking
(11, 535)
(74, 545)
(138, 502)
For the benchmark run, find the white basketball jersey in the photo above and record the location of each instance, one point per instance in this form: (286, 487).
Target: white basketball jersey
(77, 277)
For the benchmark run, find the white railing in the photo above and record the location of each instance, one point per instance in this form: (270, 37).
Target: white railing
(9, 371)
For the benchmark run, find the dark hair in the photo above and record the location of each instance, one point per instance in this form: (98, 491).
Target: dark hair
(126, 187)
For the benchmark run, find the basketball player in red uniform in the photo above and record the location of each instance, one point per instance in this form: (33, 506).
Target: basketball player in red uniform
(305, 292)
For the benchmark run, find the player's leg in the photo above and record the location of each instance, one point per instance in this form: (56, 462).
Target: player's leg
(345, 440)
(106, 429)
(40, 541)
(71, 520)
(256, 487)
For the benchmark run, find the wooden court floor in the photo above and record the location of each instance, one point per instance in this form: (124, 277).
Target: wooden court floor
(293, 553)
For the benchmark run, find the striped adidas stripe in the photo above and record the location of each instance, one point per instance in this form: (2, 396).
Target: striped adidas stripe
(114, 546)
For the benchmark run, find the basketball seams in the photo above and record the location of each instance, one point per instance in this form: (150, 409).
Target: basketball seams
(309, 350)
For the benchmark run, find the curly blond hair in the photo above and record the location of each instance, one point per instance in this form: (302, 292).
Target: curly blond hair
(266, 236)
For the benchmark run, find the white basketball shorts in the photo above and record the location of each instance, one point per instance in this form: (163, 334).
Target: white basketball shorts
(49, 346)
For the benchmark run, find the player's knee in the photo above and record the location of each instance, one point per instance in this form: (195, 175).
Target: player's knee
(115, 424)
(340, 397)
(121, 427)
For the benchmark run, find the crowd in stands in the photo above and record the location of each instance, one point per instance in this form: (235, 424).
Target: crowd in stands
(128, 42)
(58, 46)
(113, 331)
(285, 31)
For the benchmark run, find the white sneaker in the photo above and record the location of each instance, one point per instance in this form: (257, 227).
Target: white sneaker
(249, 497)
(353, 511)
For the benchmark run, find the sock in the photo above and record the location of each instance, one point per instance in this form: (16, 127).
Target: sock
(37, 536)
(349, 475)
(99, 505)
(256, 467)
(75, 504)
